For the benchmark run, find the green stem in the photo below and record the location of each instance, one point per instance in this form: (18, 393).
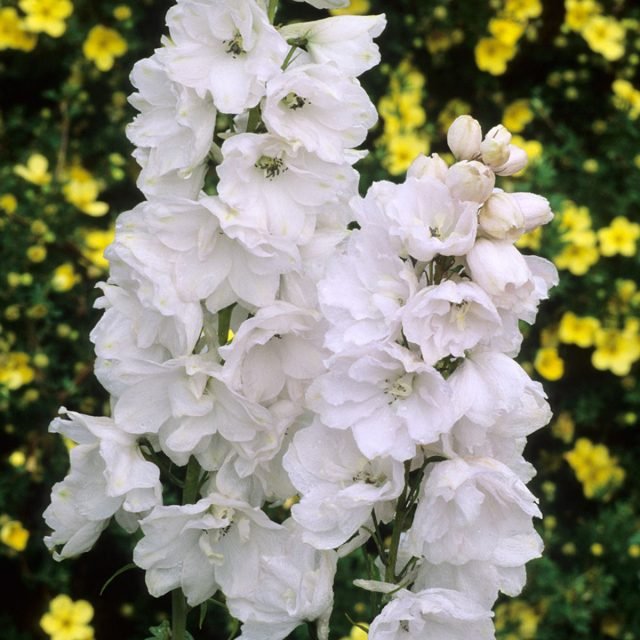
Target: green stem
(254, 119)
(290, 53)
(398, 526)
(273, 7)
(178, 615)
(191, 482)
(224, 322)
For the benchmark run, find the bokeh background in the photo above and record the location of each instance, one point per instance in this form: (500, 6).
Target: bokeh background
(562, 76)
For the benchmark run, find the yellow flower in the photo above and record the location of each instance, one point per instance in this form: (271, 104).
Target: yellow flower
(358, 632)
(579, 331)
(549, 364)
(17, 459)
(532, 148)
(506, 31)
(402, 150)
(356, 8)
(64, 277)
(523, 9)
(531, 240)
(35, 171)
(8, 203)
(68, 620)
(122, 12)
(451, 111)
(46, 16)
(616, 351)
(578, 13)
(13, 34)
(102, 46)
(619, 237)
(82, 191)
(597, 549)
(580, 254)
(594, 467)
(15, 371)
(492, 55)
(438, 40)
(96, 241)
(14, 535)
(563, 427)
(36, 253)
(634, 550)
(517, 116)
(574, 218)
(605, 35)
(626, 97)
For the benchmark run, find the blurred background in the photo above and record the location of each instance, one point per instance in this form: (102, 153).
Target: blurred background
(561, 76)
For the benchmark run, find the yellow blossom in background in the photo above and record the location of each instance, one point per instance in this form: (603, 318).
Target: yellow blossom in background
(122, 12)
(518, 616)
(573, 217)
(578, 331)
(36, 253)
(549, 364)
(563, 427)
(611, 626)
(578, 13)
(64, 277)
(523, 9)
(450, 112)
(580, 254)
(15, 371)
(531, 240)
(596, 549)
(46, 16)
(532, 148)
(17, 459)
(605, 35)
(355, 8)
(102, 46)
(439, 40)
(14, 535)
(8, 203)
(616, 350)
(36, 170)
(357, 632)
(82, 191)
(68, 620)
(402, 150)
(13, 34)
(95, 242)
(506, 31)
(594, 467)
(619, 237)
(517, 116)
(626, 97)
(492, 55)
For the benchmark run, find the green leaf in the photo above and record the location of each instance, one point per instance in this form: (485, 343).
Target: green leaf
(120, 571)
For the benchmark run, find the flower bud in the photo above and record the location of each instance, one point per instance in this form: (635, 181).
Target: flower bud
(464, 138)
(495, 146)
(517, 160)
(535, 209)
(432, 166)
(501, 217)
(470, 181)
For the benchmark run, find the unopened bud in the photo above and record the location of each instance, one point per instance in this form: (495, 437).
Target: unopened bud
(432, 166)
(495, 146)
(501, 217)
(516, 161)
(464, 138)
(535, 209)
(470, 181)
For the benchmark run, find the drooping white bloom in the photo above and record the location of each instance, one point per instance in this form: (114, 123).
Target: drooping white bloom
(501, 218)
(470, 181)
(432, 613)
(345, 40)
(390, 399)
(535, 209)
(319, 107)
(338, 485)
(475, 509)
(449, 318)
(174, 123)
(225, 48)
(364, 290)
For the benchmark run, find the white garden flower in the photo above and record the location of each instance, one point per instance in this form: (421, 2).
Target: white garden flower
(470, 181)
(464, 138)
(345, 40)
(225, 48)
(326, 4)
(339, 486)
(448, 319)
(432, 613)
(319, 107)
(501, 217)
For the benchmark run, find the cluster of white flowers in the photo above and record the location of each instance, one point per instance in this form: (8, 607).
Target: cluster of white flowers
(256, 350)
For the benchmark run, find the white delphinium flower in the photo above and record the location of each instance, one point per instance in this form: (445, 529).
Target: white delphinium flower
(501, 218)
(326, 4)
(184, 546)
(432, 613)
(390, 399)
(345, 40)
(475, 509)
(279, 188)
(364, 290)
(448, 319)
(464, 138)
(422, 216)
(498, 153)
(470, 181)
(108, 474)
(275, 582)
(225, 48)
(174, 123)
(319, 107)
(338, 485)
